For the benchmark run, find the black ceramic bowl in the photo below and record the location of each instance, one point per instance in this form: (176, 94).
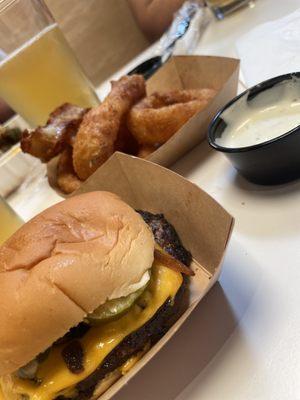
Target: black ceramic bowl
(271, 162)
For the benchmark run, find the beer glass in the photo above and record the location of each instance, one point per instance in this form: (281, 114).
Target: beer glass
(10, 221)
(38, 69)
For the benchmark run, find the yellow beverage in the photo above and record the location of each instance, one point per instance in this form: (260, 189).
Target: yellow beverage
(43, 74)
(10, 222)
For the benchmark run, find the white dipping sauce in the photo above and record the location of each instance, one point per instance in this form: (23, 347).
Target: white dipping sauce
(268, 115)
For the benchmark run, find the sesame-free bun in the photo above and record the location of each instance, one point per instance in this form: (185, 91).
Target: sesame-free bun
(62, 265)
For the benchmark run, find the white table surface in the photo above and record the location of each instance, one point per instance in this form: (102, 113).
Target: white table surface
(243, 340)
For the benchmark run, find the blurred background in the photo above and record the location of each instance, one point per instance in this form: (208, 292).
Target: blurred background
(103, 34)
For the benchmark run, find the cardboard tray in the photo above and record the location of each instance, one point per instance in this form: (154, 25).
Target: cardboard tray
(193, 72)
(186, 72)
(202, 224)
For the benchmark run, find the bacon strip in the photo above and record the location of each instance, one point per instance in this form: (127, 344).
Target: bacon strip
(46, 142)
(171, 262)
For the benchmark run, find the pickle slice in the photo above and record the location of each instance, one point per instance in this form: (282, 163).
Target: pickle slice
(113, 308)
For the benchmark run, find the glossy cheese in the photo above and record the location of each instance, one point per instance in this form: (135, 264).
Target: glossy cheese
(130, 363)
(98, 341)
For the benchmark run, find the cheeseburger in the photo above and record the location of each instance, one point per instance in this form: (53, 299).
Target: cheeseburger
(87, 287)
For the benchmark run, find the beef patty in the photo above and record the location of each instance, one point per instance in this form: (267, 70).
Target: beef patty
(166, 236)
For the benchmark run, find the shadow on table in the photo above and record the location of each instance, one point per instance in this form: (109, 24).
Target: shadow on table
(187, 354)
(266, 191)
(264, 211)
(192, 160)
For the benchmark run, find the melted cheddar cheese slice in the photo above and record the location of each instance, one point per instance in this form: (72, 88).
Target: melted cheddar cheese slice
(97, 343)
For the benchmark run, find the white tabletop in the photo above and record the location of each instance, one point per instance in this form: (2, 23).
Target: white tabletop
(243, 340)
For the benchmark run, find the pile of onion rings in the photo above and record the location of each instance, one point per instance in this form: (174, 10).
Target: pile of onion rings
(127, 120)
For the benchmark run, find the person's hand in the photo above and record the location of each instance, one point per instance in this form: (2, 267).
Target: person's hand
(154, 16)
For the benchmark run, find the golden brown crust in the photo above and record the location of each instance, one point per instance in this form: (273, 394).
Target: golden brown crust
(97, 134)
(67, 180)
(156, 118)
(46, 142)
(63, 264)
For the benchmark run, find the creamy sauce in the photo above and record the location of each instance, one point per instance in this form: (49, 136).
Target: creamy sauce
(270, 114)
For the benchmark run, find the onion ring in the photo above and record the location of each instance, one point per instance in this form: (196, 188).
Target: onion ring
(98, 132)
(156, 118)
(67, 180)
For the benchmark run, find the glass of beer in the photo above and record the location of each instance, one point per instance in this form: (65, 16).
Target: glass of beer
(38, 69)
(10, 221)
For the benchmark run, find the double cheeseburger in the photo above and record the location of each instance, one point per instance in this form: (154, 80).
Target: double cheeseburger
(86, 288)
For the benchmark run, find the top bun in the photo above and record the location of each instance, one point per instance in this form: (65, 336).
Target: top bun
(62, 265)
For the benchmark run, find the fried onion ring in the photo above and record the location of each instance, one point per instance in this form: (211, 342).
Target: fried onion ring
(156, 118)
(67, 180)
(98, 132)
